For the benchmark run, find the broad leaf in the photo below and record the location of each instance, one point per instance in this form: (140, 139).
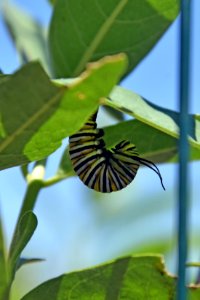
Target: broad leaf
(116, 114)
(27, 100)
(28, 35)
(35, 119)
(162, 119)
(83, 31)
(139, 277)
(78, 103)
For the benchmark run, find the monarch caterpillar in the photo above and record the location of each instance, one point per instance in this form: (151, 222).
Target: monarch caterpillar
(101, 169)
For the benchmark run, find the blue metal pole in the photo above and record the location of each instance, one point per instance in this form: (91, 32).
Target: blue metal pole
(183, 146)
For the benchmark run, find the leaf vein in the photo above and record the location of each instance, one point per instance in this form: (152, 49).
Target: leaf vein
(99, 37)
(29, 122)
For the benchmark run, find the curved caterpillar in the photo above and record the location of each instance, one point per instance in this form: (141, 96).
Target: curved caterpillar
(101, 169)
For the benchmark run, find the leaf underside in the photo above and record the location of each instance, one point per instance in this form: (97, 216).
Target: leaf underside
(48, 113)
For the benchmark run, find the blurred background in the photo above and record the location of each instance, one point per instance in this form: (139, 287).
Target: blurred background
(79, 228)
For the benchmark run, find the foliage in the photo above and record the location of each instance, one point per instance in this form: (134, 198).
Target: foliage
(37, 112)
(126, 278)
(47, 109)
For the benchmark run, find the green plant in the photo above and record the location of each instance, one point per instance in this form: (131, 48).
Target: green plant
(57, 108)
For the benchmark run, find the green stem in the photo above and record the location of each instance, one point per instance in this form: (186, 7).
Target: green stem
(55, 179)
(35, 184)
(6, 295)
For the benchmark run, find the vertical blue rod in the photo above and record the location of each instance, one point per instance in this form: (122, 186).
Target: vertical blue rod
(183, 146)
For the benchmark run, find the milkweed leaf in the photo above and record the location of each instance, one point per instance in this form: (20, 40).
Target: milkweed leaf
(37, 114)
(136, 277)
(84, 31)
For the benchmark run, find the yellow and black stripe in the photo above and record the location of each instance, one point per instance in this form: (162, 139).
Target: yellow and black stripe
(101, 169)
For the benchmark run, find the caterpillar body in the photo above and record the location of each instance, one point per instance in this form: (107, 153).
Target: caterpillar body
(101, 169)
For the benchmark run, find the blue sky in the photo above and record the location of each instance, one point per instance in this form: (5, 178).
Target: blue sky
(67, 217)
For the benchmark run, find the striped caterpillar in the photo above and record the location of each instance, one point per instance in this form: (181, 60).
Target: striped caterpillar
(101, 169)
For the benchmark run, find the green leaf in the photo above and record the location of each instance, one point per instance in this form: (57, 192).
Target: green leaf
(27, 100)
(79, 102)
(83, 31)
(35, 119)
(3, 267)
(23, 234)
(28, 36)
(137, 277)
(162, 119)
(116, 114)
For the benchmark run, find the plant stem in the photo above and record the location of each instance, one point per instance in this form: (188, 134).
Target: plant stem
(55, 179)
(35, 184)
(6, 295)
